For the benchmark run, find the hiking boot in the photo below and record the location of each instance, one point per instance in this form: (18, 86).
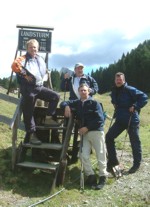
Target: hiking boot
(26, 138)
(91, 181)
(111, 164)
(116, 171)
(49, 120)
(109, 168)
(101, 183)
(133, 169)
(34, 139)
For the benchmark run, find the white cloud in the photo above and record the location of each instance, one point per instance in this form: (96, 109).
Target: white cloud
(96, 32)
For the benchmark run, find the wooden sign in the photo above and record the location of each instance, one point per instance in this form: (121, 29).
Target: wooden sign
(44, 39)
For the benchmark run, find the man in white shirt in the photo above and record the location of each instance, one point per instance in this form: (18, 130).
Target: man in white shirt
(72, 83)
(31, 71)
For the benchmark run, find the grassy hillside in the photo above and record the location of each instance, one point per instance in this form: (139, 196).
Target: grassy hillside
(25, 187)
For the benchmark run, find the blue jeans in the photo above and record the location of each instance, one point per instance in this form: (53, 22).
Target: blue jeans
(116, 129)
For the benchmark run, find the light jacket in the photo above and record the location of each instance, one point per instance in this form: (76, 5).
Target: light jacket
(21, 66)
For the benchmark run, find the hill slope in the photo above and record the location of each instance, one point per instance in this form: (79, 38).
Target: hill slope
(26, 187)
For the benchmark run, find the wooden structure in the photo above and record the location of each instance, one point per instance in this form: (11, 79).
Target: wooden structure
(51, 155)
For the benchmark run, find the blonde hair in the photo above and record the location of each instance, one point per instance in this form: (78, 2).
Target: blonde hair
(32, 41)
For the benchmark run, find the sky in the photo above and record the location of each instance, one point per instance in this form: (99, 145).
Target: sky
(93, 32)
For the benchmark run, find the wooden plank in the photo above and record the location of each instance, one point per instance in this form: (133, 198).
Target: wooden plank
(53, 146)
(67, 137)
(60, 172)
(50, 127)
(14, 143)
(38, 165)
(17, 114)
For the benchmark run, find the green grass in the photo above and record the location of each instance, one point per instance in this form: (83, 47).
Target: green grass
(30, 186)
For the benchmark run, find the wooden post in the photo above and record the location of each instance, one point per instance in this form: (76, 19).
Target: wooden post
(11, 76)
(14, 126)
(14, 145)
(60, 174)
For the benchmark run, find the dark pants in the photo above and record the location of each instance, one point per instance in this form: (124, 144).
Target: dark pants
(28, 102)
(114, 132)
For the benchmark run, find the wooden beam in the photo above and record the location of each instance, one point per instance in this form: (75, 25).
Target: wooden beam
(23, 26)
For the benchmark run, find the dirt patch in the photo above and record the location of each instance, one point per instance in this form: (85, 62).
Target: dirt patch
(129, 190)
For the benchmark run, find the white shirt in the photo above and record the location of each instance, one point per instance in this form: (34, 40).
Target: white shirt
(76, 86)
(34, 70)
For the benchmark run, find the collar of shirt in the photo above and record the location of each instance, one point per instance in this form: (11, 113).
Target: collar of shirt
(83, 101)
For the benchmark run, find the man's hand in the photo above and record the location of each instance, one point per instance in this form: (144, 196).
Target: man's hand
(67, 111)
(16, 66)
(83, 130)
(28, 78)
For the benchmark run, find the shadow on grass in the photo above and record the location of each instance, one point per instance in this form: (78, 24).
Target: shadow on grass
(23, 181)
(31, 183)
(8, 98)
(28, 182)
(7, 120)
(73, 179)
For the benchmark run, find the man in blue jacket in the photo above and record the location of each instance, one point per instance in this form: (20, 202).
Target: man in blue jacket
(127, 103)
(91, 121)
(72, 83)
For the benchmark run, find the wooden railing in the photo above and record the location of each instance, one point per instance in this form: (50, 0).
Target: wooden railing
(14, 126)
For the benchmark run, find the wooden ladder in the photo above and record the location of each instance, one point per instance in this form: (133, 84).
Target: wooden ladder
(51, 155)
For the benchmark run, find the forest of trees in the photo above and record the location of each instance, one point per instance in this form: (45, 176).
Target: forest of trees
(135, 65)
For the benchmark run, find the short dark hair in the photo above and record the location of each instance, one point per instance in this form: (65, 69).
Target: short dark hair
(119, 74)
(82, 85)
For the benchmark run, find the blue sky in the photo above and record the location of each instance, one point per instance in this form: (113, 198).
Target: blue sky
(94, 32)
